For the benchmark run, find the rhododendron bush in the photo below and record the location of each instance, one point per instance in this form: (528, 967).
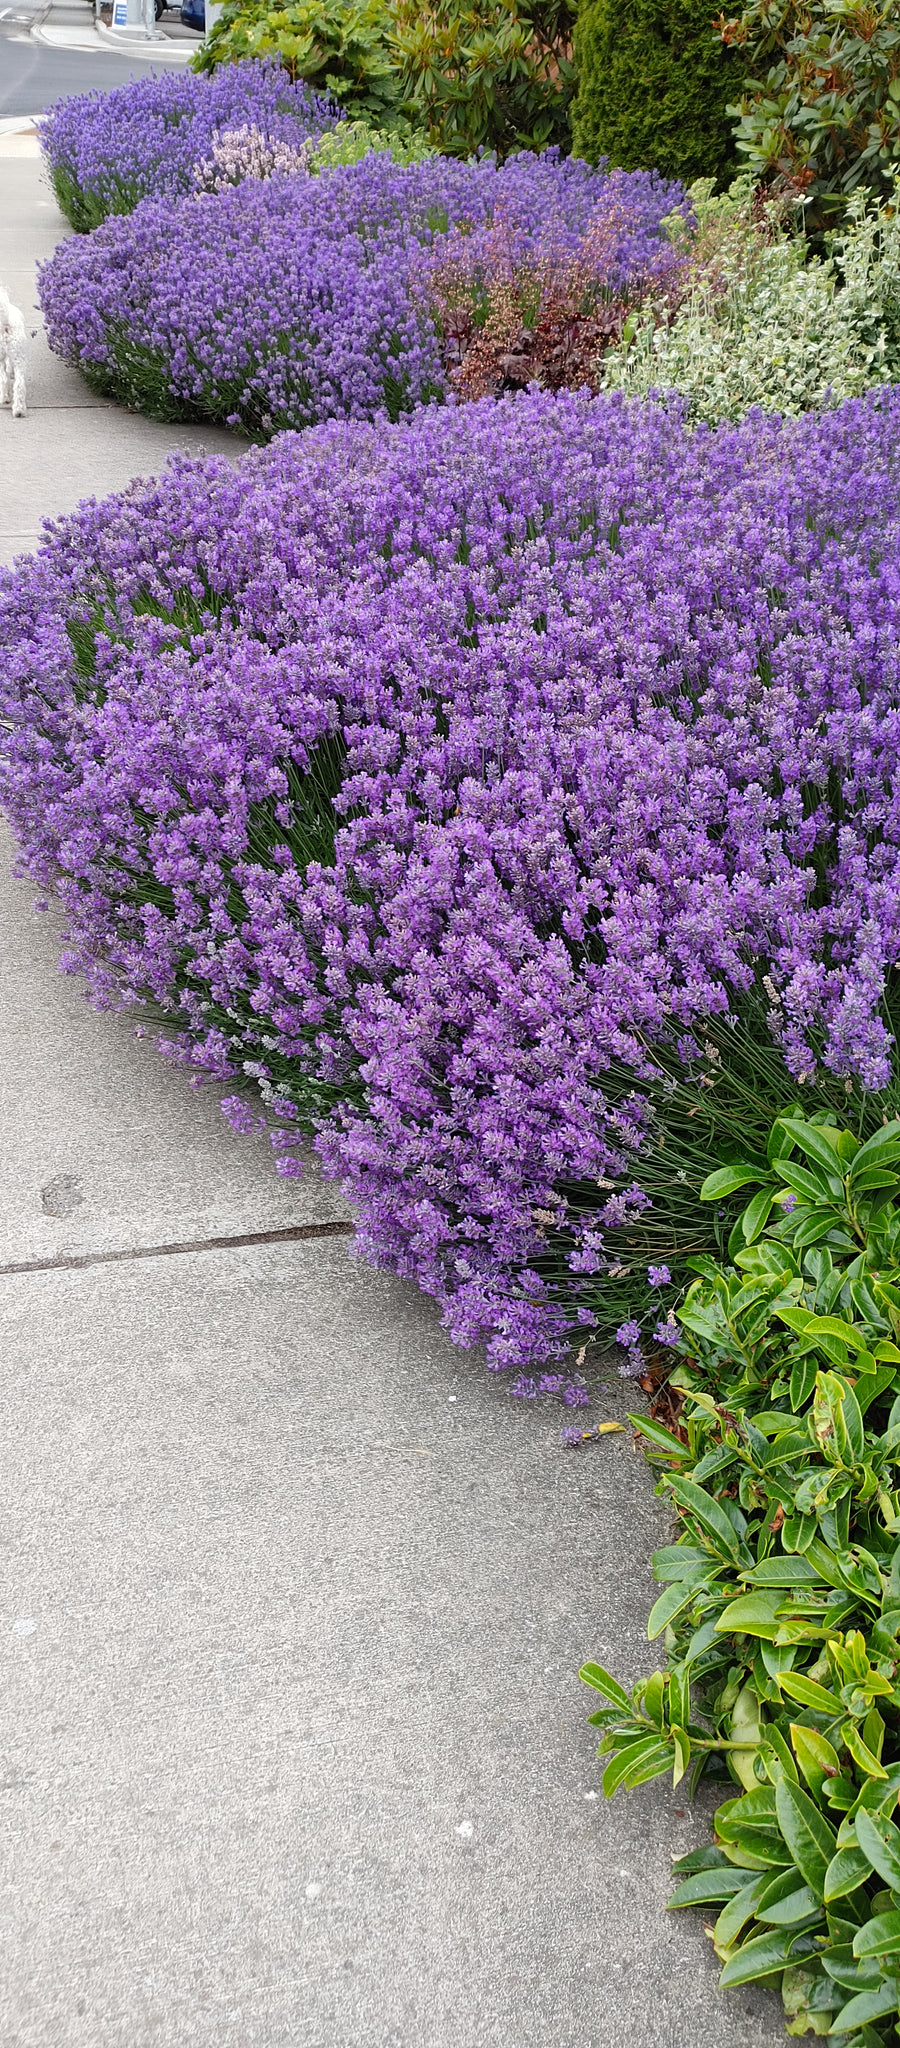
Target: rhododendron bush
(457, 782)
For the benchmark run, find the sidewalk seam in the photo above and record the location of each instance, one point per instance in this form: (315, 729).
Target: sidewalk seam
(73, 1262)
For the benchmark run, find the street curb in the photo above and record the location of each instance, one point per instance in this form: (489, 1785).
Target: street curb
(138, 45)
(163, 51)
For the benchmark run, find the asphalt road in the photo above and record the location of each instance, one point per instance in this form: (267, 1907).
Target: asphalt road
(32, 75)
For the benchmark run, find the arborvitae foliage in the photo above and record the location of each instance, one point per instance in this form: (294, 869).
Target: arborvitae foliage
(654, 80)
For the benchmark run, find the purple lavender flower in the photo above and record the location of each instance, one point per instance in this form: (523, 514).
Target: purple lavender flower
(659, 1276)
(276, 303)
(550, 659)
(628, 1334)
(238, 1113)
(667, 1332)
(106, 151)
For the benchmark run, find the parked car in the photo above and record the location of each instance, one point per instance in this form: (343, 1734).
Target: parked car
(193, 14)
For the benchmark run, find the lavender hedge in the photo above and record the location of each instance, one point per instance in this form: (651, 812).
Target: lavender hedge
(106, 151)
(438, 777)
(290, 300)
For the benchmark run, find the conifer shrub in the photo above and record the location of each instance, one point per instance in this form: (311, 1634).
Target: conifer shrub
(654, 85)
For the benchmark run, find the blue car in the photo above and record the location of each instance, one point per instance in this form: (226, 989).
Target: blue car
(193, 14)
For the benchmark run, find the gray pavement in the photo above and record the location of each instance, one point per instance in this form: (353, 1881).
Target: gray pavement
(295, 1595)
(77, 444)
(46, 52)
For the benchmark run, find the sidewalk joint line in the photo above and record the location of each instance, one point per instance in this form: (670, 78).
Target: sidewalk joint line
(73, 1262)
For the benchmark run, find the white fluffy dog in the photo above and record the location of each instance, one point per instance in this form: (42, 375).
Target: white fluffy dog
(13, 354)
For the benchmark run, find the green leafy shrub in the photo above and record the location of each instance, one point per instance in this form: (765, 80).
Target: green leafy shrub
(821, 108)
(466, 74)
(339, 46)
(350, 141)
(498, 76)
(654, 85)
(781, 1601)
(765, 323)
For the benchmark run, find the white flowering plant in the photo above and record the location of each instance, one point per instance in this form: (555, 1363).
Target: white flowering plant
(762, 321)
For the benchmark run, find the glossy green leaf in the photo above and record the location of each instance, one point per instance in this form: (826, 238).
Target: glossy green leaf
(808, 1693)
(797, 1905)
(712, 1518)
(682, 1746)
(884, 1145)
(812, 1142)
(851, 1972)
(602, 1681)
(727, 1179)
(879, 1937)
(763, 1956)
(880, 1841)
(670, 1603)
(661, 1438)
(741, 1908)
(783, 1571)
(752, 1614)
(706, 1886)
(848, 1869)
(756, 1214)
(809, 1836)
(815, 1755)
(625, 1762)
(867, 2006)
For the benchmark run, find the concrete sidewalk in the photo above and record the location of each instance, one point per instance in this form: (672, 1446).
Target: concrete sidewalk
(295, 1596)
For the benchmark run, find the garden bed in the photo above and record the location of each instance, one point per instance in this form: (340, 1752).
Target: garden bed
(282, 301)
(492, 789)
(106, 151)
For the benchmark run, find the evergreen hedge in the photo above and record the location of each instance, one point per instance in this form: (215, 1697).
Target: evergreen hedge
(654, 82)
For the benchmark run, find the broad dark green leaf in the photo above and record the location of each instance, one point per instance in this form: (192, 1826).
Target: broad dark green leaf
(879, 1937)
(670, 1603)
(783, 1571)
(679, 1561)
(741, 1908)
(884, 1147)
(712, 1518)
(727, 1179)
(813, 1226)
(847, 1970)
(602, 1681)
(752, 1614)
(756, 1214)
(880, 1841)
(790, 1911)
(752, 1809)
(705, 1886)
(848, 1869)
(867, 2006)
(812, 1142)
(764, 1956)
(700, 1642)
(709, 1858)
(809, 1836)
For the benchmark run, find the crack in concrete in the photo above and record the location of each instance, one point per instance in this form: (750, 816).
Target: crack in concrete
(73, 1262)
